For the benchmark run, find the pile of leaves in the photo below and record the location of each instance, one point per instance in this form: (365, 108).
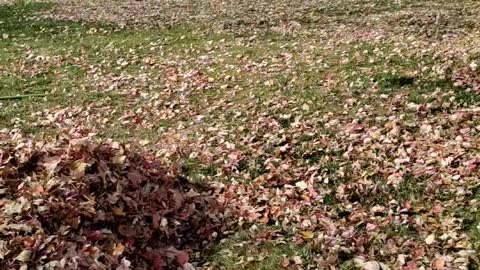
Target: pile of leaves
(76, 204)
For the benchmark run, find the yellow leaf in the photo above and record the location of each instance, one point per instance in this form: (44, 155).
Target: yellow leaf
(462, 244)
(307, 235)
(118, 211)
(78, 168)
(118, 250)
(24, 256)
(119, 160)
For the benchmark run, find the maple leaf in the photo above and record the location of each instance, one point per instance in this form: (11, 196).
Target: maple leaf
(51, 164)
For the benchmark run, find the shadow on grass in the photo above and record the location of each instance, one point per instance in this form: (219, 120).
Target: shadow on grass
(21, 19)
(422, 91)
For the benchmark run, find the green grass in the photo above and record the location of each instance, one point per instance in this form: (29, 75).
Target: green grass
(36, 84)
(240, 252)
(471, 214)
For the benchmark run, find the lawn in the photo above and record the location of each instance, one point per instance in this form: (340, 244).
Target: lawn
(343, 134)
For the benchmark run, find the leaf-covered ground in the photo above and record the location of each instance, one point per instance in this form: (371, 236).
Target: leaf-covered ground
(345, 134)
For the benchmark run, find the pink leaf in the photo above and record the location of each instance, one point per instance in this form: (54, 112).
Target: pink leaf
(158, 263)
(182, 257)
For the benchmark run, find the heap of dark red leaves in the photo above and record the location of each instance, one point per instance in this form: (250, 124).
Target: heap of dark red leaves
(74, 204)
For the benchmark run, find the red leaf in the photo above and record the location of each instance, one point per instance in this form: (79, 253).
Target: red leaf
(299, 241)
(356, 128)
(158, 263)
(130, 242)
(411, 266)
(94, 235)
(156, 221)
(182, 257)
(437, 209)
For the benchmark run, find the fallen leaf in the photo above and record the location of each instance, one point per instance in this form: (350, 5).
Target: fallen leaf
(119, 160)
(24, 256)
(437, 209)
(78, 169)
(3, 249)
(430, 239)
(302, 185)
(51, 164)
(297, 260)
(307, 235)
(182, 257)
(438, 264)
(158, 263)
(188, 266)
(371, 265)
(118, 250)
(13, 207)
(124, 264)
